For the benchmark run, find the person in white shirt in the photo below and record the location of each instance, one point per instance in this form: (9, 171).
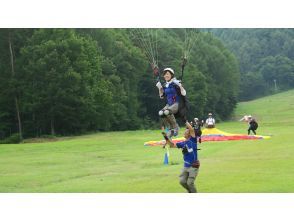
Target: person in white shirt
(210, 122)
(246, 118)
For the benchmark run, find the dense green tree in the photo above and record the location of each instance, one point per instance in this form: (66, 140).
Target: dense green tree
(128, 64)
(268, 53)
(279, 68)
(65, 90)
(11, 41)
(71, 81)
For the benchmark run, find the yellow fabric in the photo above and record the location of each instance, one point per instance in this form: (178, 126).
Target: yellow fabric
(215, 131)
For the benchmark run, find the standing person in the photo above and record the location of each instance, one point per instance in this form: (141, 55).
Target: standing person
(198, 122)
(253, 125)
(197, 128)
(191, 162)
(210, 121)
(172, 90)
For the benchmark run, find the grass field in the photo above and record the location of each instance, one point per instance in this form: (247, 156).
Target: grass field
(118, 161)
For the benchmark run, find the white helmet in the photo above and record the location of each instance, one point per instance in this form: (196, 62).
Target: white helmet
(196, 119)
(170, 70)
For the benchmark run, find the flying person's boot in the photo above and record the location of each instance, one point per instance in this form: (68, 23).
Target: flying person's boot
(173, 124)
(165, 124)
(169, 130)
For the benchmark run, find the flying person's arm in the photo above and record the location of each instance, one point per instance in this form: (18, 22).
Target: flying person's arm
(160, 89)
(179, 84)
(183, 91)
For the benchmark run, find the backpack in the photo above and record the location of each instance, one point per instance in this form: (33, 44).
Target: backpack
(183, 105)
(198, 131)
(254, 124)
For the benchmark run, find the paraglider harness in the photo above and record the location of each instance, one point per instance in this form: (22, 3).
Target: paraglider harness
(183, 101)
(183, 106)
(253, 124)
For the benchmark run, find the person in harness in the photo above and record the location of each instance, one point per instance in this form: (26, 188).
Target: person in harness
(175, 94)
(253, 125)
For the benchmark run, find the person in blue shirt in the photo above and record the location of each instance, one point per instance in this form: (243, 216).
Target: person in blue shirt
(191, 162)
(172, 90)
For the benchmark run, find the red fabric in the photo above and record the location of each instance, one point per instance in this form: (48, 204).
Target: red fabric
(228, 138)
(209, 138)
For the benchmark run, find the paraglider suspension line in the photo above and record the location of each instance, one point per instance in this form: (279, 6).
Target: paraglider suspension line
(183, 67)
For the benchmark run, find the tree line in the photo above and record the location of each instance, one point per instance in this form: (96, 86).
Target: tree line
(72, 81)
(265, 56)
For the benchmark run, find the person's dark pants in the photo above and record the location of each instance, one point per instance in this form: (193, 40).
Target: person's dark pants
(251, 129)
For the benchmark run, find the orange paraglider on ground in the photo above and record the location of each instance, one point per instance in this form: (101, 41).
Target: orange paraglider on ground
(213, 134)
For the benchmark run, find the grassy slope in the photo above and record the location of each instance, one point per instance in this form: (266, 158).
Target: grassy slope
(118, 161)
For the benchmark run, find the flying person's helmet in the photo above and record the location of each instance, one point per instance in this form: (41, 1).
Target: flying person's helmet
(209, 114)
(169, 70)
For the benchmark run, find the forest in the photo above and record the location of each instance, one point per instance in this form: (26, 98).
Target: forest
(57, 82)
(265, 56)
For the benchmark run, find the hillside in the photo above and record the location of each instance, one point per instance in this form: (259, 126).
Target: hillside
(265, 58)
(274, 109)
(118, 161)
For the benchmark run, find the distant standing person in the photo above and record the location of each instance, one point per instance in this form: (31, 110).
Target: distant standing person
(253, 125)
(191, 162)
(245, 118)
(210, 121)
(197, 128)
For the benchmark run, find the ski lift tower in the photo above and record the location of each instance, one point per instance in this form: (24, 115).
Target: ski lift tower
(275, 82)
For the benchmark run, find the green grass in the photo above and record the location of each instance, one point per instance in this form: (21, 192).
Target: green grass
(118, 161)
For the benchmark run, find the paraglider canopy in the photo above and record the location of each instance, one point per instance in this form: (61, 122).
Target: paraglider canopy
(147, 40)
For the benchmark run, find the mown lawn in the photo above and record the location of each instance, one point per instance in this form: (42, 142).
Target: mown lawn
(118, 161)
